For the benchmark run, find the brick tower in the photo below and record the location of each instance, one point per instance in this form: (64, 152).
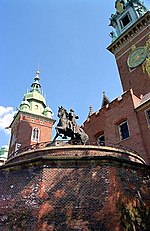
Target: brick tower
(126, 120)
(33, 121)
(131, 45)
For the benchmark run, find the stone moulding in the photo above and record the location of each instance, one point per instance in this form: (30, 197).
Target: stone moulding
(74, 153)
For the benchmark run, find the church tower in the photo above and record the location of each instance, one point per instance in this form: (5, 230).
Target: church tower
(125, 121)
(33, 121)
(131, 45)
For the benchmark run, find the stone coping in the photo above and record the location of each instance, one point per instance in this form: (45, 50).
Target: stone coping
(74, 151)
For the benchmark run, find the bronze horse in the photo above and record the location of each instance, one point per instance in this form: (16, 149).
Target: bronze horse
(67, 127)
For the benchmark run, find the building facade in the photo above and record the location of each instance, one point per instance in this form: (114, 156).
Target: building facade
(126, 120)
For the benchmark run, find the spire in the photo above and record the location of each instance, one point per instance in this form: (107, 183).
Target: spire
(36, 85)
(105, 100)
(91, 111)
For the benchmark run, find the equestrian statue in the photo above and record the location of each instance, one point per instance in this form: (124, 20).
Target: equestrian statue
(67, 127)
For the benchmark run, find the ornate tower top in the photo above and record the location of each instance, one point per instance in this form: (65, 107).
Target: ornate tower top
(131, 47)
(127, 13)
(33, 101)
(36, 85)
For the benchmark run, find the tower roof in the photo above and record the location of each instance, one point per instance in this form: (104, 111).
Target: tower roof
(35, 95)
(35, 92)
(127, 13)
(4, 152)
(36, 85)
(105, 100)
(34, 101)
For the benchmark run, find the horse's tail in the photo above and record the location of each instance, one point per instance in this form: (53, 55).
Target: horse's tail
(83, 135)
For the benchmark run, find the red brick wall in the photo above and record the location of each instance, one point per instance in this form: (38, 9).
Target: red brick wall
(23, 130)
(144, 129)
(99, 195)
(45, 128)
(108, 119)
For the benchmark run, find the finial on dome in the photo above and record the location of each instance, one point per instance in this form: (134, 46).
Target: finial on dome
(37, 77)
(36, 85)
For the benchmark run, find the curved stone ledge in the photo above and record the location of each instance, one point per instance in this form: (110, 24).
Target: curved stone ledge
(74, 151)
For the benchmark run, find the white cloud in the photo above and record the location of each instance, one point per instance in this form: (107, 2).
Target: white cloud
(6, 117)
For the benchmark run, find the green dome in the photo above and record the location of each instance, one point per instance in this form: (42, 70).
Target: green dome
(25, 105)
(4, 152)
(35, 92)
(34, 101)
(48, 109)
(4, 147)
(25, 102)
(35, 95)
(48, 112)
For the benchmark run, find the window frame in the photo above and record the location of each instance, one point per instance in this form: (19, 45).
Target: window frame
(121, 22)
(103, 142)
(35, 134)
(147, 116)
(17, 146)
(120, 132)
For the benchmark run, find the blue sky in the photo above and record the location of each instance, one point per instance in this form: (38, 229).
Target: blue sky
(68, 39)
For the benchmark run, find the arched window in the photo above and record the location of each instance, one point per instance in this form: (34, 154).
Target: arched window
(35, 134)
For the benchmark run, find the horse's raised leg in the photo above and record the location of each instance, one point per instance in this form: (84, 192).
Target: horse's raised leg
(51, 143)
(57, 134)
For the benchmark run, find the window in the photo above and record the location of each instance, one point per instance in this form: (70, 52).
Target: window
(148, 116)
(36, 107)
(101, 140)
(17, 146)
(35, 134)
(125, 20)
(124, 130)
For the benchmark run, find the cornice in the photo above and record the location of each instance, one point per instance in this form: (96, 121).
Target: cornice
(129, 34)
(143, 105)
(42, 117)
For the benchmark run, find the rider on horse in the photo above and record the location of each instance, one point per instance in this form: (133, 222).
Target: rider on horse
(67, 126)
